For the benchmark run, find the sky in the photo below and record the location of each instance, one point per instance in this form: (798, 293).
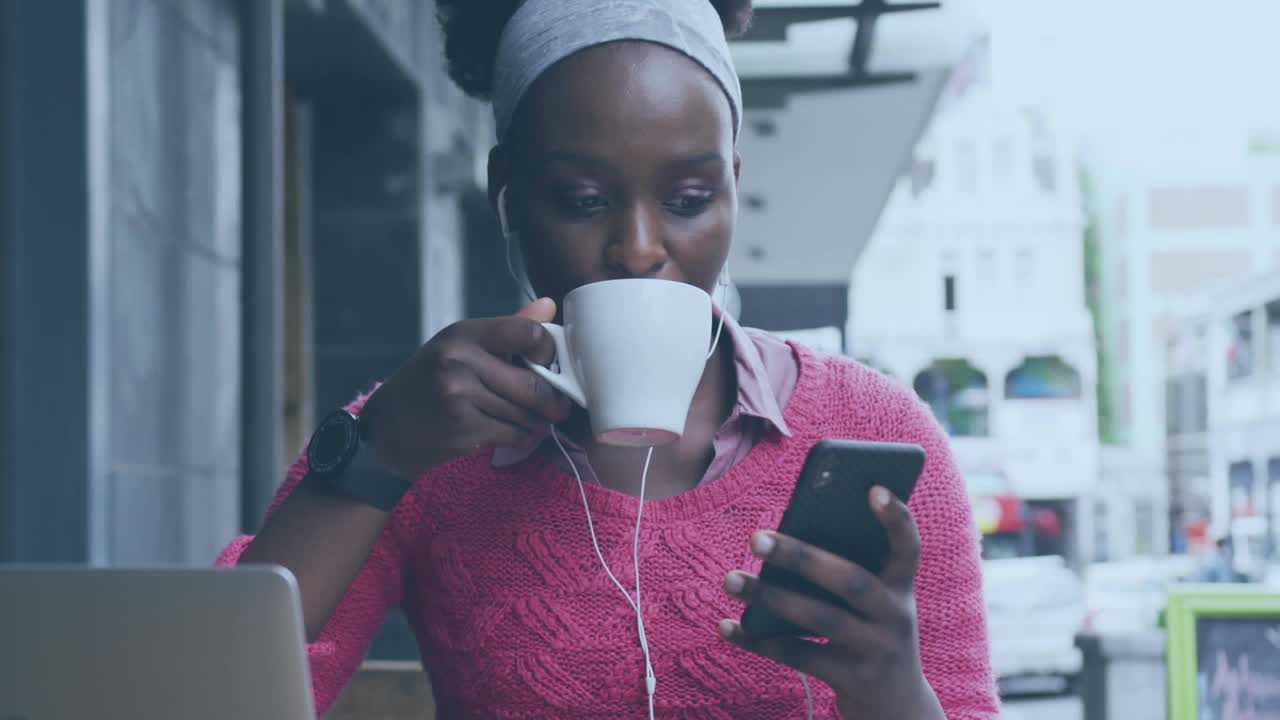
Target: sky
(1153, 71)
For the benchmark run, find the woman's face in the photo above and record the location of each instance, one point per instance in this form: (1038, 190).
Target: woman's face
(621, 165)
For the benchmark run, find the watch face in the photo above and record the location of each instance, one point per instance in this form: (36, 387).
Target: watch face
(333, 444)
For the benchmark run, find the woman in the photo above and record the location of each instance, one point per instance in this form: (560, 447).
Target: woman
(445, 494)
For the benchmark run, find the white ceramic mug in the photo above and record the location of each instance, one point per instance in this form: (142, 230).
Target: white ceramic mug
(631, 352)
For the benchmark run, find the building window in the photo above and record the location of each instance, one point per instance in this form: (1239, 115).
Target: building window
(949, 293)
(1186, 404)
(1240, 481)
(1122, 411)
(1002, 162)
(966, 167)
(1198, 207)
(921, 176)
(1172, 406)
(1121, 220)
(1240, 349)
(1042, 378)
(1024, 264)
(1045, 172)
(1182, 271)
(1273, 505)
(1195, 417)
(1144, 525)
(1273, 336)
(957, 393)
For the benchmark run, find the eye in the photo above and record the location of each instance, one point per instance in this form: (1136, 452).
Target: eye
(690, 202)
(582, 204)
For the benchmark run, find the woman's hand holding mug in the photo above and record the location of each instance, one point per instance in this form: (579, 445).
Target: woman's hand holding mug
(461, 393)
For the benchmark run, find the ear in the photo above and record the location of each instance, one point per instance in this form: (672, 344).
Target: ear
(499, 173)
(737, 166)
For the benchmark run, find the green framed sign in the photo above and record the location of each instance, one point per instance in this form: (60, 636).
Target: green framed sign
(1223, 653)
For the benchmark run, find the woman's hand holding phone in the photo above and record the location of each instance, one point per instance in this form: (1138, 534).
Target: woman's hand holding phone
(872, 655)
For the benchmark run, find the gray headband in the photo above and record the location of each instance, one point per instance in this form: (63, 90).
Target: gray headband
(544, 32)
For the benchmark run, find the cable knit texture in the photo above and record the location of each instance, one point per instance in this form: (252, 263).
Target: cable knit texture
(516, 619)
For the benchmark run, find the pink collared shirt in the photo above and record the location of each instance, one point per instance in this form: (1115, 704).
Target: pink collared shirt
(767, 371)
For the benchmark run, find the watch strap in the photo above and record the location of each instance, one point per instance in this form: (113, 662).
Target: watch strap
(365, 480)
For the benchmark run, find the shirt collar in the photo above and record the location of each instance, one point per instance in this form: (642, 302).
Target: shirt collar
(757, 398)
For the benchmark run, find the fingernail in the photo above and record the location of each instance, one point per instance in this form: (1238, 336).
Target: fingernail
(726, 628)
(880, 497)
(734, 582)
(762, 543)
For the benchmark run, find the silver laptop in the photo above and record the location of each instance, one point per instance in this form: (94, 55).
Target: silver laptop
(140, 644)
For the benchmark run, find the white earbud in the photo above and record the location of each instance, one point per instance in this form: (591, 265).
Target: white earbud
(514, 258)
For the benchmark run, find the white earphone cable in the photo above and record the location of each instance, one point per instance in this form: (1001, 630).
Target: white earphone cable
(650, 680)
(508, 237)
(724, 283)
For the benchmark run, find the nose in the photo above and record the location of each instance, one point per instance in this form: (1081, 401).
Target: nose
(638, 248)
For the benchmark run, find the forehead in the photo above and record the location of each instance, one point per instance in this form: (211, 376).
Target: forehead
(627, 94)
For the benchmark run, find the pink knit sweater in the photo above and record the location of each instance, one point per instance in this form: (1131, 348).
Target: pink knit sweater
(515, 618)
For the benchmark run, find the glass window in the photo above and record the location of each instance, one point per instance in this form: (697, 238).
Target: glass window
(1024, 263)
(921, 176)
(1045, 172)
(1172, 406)
(1273, 505)
(966, 167)
(1240, 350)
(1039, 378)
(1240, 479)
(1002, 161)
(957, 393)
(1186, 403)
(1273, 336)
(998, 546)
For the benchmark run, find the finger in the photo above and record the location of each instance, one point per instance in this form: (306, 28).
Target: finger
(904, 539)
(515, 335)
(808, 657)
(856, 585)
(824, 619)
(492, 431)
(502, 409)
(540, 310)
(521, 387)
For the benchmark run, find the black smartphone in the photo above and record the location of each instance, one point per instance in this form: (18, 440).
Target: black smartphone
(830, 509)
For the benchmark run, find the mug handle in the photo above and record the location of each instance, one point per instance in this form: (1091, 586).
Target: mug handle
(566, 380)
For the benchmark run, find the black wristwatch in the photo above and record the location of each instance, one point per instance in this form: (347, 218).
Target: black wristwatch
(340, 461)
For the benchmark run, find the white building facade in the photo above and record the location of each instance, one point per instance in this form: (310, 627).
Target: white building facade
(1243, 376)
(1175, 217)
(972, 292)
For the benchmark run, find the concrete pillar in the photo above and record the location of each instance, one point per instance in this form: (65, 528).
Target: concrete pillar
(52, 465)
(263, 286)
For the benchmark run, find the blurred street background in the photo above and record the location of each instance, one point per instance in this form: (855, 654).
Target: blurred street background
(1057, 221)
